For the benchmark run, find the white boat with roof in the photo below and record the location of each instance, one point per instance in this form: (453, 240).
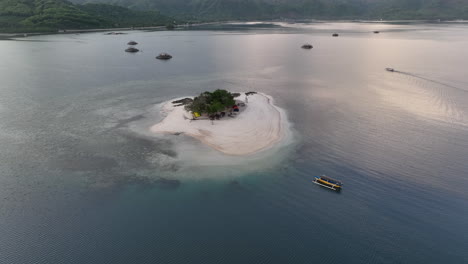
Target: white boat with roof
(328, 182)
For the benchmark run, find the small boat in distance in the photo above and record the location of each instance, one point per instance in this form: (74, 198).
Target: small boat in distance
(132, 43)
(115, 33)
(390, 69)
(307, 46)
(328, 182)
(164, 56)
(335, 35)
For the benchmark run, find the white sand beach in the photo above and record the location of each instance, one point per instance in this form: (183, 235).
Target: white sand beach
(258, 126)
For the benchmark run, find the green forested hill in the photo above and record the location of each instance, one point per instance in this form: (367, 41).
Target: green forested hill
(419, 9)
(51, 15)
(321, 9)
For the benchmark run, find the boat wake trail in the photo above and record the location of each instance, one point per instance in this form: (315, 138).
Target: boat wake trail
(429, 98)
(430, 80)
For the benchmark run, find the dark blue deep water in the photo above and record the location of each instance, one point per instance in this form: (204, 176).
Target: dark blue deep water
(83, 181)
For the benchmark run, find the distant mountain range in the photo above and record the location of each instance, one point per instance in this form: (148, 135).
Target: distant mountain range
(320, 9)
(52, 15)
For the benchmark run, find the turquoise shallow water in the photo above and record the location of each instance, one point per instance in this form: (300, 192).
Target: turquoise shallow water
(80, 176)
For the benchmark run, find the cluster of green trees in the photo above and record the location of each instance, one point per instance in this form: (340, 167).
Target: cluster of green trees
(53, 15)
(319, 9)
(211, 103)
(124, 17)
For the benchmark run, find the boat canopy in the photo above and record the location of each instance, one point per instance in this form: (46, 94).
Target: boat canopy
(330, 180)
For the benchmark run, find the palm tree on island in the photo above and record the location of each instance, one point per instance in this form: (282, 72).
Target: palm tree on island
(214, 104)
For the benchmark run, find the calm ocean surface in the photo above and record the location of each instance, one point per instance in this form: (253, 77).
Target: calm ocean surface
(83, 181)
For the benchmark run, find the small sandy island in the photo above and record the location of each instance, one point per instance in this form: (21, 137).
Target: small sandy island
(257, 126)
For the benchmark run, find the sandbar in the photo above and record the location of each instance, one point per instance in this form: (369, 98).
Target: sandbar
(258, 126)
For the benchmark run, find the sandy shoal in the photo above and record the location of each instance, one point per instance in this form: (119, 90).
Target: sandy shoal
(258, 126)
